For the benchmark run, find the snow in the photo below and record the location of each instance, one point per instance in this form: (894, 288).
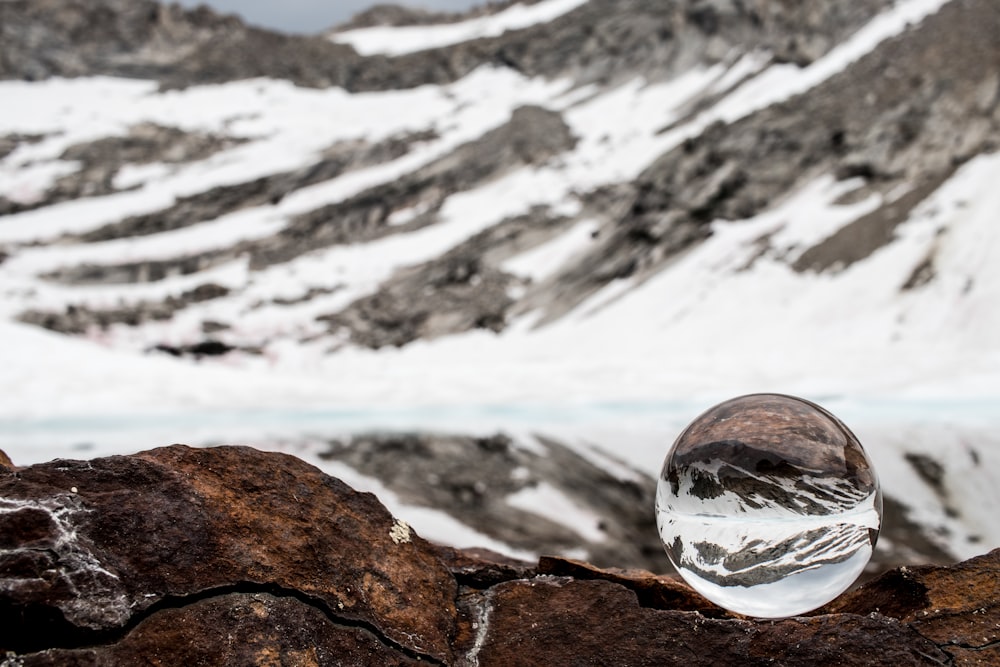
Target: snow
(546, 500)
(430, 524)
(291, 126)
(545, 260)
(778, 83)
(395, 41)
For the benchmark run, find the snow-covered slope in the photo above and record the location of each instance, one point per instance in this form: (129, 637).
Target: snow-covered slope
(720, 202)
(397, 40)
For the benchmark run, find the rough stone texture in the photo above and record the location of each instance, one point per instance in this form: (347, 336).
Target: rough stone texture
(80, 319)
(5, 462)
(565, 621)
(651, 590)
(531, 136)
(235, 629)
(956, 607)
(234, 556)
(93, 547)
(267, 190)
(398, 15)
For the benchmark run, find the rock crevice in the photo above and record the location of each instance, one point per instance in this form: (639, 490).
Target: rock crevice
(234, 556)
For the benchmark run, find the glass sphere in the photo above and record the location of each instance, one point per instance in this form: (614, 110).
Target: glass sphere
(768, 506)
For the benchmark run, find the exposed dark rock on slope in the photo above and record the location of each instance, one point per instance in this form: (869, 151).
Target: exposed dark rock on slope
(10, 142)
(531, 136)
(901, 119)
(102, 160)
(907, 114)
(461, 290)
(598, 41)
(225, 199)
(233, 556)
(146, 40)
(399, 15)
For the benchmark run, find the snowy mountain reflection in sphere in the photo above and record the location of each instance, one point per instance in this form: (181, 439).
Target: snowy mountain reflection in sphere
(768, 506)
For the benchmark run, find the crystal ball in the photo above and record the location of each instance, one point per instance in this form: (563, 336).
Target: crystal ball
(768, 506)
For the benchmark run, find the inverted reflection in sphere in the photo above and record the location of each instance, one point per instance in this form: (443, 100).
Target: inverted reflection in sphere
(768, 505)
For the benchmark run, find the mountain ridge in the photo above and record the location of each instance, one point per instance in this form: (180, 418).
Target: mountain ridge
(675, 200)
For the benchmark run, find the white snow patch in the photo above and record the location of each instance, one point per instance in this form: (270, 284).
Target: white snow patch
(780, 82)
(547, 501)
(546, 259)
(136, 175)
(28, 184)
(396, 41)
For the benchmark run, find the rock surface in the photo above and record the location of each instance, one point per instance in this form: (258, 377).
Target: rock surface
(896, 123)
(595, 42)
(101, 161)
(235, 556)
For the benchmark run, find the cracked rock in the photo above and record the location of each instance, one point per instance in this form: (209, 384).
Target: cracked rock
(230, 555)
(153, 529)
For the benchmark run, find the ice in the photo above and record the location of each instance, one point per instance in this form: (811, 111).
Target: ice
(768, 505)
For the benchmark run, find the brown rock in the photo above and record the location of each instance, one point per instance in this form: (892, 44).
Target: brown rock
(561, 621)
(5, 462)
(235, 629)
(121, 535)
(652, 590)
(235, 556)
(957, 607)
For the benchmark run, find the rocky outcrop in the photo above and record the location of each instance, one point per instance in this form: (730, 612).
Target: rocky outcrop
(901, 119)
(464, 289)
(268, 190)
(399, 15)
(81, 320)
(95, 551)
(235, 556)
(147, 40)
(595, 42)
(101, 161)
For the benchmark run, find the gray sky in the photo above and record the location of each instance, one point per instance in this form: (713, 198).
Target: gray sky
(313, 15)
